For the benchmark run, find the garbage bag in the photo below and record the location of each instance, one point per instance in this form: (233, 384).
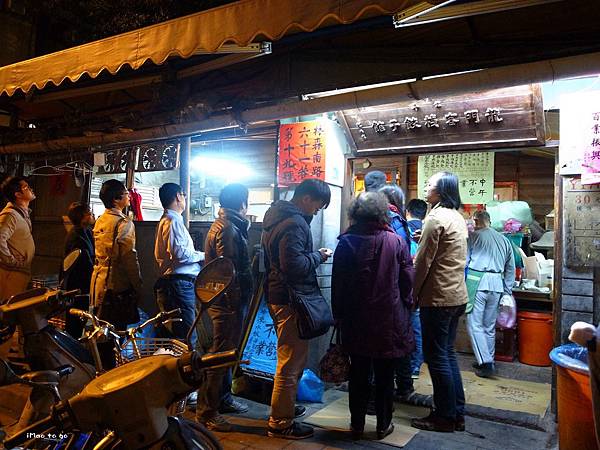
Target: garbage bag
(571, 356)
(507, 312)
(310, 387)
(500, 212)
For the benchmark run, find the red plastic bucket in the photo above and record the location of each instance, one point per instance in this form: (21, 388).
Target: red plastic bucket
(575, 416)
(535, 337)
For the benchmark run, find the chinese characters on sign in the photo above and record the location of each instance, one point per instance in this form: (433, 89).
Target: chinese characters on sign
(302, 148)
(261, 348)
(475, 173)
(580, 136)
(590, 172)
(581, 221)
(412, 123)
(510, 116)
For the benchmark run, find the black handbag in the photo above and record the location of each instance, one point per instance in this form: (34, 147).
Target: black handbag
(118, 307)
(313, 313)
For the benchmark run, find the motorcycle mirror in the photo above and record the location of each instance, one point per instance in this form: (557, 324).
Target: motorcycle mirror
(213, 280)
(71, 259)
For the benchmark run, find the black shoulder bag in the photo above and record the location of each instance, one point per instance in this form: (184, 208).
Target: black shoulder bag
(118, 307)
(313, 313)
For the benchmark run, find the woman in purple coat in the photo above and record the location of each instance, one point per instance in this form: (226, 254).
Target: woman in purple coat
(371, 302)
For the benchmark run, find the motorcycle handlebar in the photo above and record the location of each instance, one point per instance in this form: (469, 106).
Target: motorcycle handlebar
(160, 318)
(81, 314)
(216, 359)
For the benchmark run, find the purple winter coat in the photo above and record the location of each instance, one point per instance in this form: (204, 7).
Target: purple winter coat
(372, 292)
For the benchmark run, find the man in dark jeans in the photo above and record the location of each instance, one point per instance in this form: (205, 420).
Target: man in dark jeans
(228, 237)
(178, 261)
(442, 295)
(440, 324)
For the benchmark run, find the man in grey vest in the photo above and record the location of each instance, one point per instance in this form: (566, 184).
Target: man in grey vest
(492, 254)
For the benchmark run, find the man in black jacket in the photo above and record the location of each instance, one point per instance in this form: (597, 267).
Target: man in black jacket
(79, 276)
(228, 237)
(291, 261)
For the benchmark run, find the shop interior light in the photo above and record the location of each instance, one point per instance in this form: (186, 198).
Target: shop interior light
(221, 168)
(426, 12)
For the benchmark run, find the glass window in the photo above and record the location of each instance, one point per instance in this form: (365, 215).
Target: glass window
(97, 180)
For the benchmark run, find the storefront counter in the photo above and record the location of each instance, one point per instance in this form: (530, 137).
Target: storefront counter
(530, 300)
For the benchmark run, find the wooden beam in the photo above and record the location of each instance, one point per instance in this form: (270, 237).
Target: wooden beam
(437, 87)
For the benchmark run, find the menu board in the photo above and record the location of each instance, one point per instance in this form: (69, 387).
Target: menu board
(475, 173)
(579, 151)
(581, 223)
(302, 148)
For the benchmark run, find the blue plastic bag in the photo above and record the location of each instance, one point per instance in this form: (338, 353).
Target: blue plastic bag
(310, 387)
(571, 356)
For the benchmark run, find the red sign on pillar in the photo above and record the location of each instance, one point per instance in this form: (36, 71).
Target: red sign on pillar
(301, 152)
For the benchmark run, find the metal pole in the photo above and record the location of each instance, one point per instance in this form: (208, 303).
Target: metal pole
(185, 151)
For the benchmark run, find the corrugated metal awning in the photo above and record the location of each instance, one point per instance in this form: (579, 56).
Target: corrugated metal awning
(238, 23)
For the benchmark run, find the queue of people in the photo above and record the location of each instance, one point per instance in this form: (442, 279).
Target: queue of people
(398, 288)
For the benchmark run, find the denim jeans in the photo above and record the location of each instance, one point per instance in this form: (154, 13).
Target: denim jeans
(416, 358)
(439, 333)
(359, 389)
(172, 293)
(215, 389)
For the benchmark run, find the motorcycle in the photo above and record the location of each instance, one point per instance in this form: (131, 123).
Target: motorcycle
(129, 405)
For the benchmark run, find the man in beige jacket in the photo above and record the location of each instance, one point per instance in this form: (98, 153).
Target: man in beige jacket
(122, 257)
(16, 241)
(441, 293)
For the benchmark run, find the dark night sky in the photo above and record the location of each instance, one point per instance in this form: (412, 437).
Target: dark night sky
(66, 23)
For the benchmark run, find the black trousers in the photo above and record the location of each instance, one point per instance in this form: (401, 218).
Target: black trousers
(359, 390)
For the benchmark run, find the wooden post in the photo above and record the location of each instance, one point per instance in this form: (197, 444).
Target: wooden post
(185, 153)
(403, 169)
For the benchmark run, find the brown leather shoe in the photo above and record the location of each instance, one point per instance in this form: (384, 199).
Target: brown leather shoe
(434, 423)
(459, 423)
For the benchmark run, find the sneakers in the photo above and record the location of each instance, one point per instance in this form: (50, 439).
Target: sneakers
(486, 370)
(218, 423)
(192, 399)
(233, 407)
(383, 433)
(295, 431)
(415, 399)
(299, 411)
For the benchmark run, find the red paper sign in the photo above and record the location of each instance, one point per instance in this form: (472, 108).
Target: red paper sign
(301, 152)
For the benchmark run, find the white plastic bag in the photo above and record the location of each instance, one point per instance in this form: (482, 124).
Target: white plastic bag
(507, 312)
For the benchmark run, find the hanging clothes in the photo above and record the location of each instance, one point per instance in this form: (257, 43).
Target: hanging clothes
(136, 204)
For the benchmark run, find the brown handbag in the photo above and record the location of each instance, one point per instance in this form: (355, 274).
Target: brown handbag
(335, 364)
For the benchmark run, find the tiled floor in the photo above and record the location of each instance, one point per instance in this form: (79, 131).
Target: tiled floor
(250, 433)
